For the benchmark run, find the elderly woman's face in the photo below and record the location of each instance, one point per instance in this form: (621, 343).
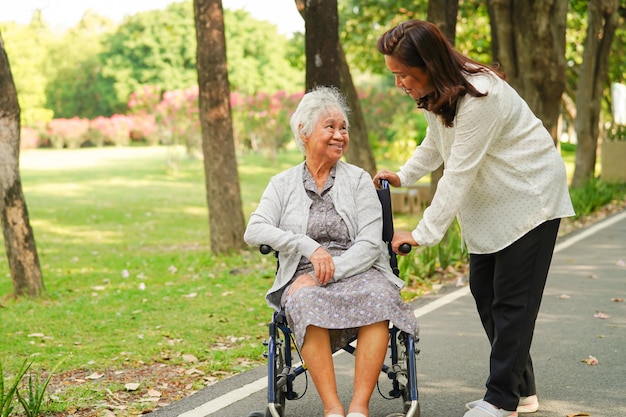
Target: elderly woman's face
(329, 139)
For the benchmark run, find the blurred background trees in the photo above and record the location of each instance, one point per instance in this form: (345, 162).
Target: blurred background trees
(105, 84)
(98, 70)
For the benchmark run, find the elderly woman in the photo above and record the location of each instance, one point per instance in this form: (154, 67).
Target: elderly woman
(334, 281)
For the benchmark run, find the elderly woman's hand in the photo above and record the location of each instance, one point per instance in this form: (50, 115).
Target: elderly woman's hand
(323, 265)
(304, 280)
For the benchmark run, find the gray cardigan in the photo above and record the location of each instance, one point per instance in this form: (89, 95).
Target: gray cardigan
(282, 216)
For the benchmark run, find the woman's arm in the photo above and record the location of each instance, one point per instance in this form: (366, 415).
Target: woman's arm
(277, 223)
(425, 159)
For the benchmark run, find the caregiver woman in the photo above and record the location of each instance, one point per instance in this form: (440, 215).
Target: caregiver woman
(503, 180)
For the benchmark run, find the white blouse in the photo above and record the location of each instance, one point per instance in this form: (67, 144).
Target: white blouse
(503, 176)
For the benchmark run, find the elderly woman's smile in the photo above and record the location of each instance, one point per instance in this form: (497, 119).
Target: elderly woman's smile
(329, 138)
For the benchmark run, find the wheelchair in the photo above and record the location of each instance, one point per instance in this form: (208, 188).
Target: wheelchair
(282, 370)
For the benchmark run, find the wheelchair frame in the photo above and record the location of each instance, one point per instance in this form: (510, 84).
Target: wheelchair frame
(402, 372)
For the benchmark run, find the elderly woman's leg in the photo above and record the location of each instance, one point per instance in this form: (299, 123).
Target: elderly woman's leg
(370, 355)
(318, 358)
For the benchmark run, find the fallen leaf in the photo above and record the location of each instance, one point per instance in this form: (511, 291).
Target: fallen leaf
(132, 386)
(591, 360)
(94, 376)
(564, 297)
(193, 371)
(601, 315)
(578, 415)
(617, 300)
(36, 335)
(191, 295)
(125, 273)
(187, 357)
(621, 263)
(154, 393)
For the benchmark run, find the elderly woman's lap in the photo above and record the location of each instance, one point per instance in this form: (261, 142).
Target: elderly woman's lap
(344, 306)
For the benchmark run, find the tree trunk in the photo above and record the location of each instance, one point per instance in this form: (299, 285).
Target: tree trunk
(19, 239)
(603, 21)
(326, 65)
(443, 13)
(321, 37)
(226, 220)
(528, 41)
(360, 151)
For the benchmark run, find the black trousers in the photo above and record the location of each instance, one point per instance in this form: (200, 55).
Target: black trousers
(507, 287)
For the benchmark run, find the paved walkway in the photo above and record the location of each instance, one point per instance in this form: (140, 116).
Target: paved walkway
(581, 316)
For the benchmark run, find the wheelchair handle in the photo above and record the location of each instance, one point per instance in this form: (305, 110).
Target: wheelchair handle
(405, 248)
(384, 184)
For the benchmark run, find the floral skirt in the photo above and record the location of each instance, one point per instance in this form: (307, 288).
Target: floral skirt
(344, 306)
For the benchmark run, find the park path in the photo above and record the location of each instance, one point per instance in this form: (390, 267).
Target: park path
(583, 316)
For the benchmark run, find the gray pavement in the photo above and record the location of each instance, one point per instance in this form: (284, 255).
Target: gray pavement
(587, 278)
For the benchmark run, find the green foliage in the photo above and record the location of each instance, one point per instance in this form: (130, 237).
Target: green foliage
(26, 47)
(73, 88)
(91, 69)
(594, 194)
(257, 56)
(423, 262)
(473, 31)
(36, 390)
(6, 398)
(155, 47)
(362, 22)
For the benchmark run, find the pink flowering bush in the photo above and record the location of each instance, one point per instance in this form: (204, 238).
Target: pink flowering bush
(177, 116)
(29, 138)
(114, 130)
(67, 133)
(261, 122)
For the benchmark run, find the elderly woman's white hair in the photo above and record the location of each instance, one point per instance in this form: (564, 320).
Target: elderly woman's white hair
(314, 105)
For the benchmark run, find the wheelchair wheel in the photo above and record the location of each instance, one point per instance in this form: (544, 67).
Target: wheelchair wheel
(405, 390)
(280, 386)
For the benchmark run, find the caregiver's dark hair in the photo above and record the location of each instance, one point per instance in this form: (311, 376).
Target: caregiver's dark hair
(420, 44)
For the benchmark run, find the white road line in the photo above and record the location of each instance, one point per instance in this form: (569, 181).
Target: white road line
(591, 230)
(232, 397)
(225, 400)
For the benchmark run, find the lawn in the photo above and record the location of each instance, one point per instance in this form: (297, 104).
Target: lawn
(123, 241)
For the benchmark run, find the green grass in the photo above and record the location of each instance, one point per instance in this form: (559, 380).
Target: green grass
(123, 243)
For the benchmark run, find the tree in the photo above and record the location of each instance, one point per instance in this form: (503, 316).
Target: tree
(226, 220)
(326, 65)
(73, 87)
(155, 47)
(19, 239)
(528, 40)
(443, 14)
(592, 78)
(27, 45)
(158, 48)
